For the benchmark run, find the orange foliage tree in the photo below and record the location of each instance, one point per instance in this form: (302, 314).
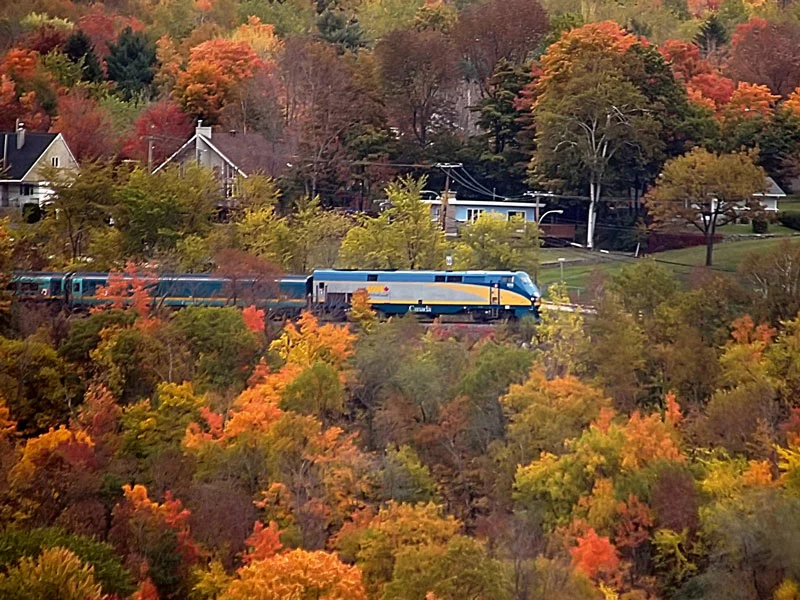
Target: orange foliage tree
(130, 288)
(214, 69)
(594, 556)
(750, 100)
(151, 536)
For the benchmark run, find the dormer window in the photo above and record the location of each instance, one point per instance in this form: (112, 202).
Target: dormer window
(55, 161)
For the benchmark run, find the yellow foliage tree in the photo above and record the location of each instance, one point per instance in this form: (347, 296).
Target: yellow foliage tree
(55, 573)
(300, 575)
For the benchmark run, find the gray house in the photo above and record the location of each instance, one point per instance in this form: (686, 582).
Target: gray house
(23, 156)
(231, 155)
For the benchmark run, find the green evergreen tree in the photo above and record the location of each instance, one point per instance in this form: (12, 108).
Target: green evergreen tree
(343, 32)
(80, 51)
(131, 63)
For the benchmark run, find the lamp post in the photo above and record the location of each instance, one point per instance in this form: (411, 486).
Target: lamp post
(550, 212)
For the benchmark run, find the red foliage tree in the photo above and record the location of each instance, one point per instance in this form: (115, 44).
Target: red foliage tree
(44, 39)
(713, 86)
(86, 126)
(161, 129)
(100, 28)
(685, 59)
(265, 542)
(767, 53)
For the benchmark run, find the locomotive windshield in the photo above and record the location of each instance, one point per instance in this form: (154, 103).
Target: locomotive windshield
(526, 284)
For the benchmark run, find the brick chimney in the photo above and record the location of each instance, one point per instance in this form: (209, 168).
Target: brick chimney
(20, 134)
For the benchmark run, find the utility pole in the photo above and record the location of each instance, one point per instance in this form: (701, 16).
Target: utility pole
(149, 153)
(446, 195)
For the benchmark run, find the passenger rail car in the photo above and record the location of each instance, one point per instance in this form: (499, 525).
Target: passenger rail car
(470, 295)
(476, 295)
(287, 295)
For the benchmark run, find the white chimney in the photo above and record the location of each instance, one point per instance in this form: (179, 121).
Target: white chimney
(20, 134)
(204, 131)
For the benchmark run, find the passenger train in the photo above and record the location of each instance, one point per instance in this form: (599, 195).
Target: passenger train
(470, 295)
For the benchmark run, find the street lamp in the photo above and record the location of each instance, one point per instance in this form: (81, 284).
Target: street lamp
(549, 212)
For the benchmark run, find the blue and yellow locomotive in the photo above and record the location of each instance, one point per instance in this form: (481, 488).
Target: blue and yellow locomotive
(472, 295)
(478, 295)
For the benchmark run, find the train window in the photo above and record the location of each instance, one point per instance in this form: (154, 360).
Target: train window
(372, 277)
(76, 287)
(438, 278)
(321, 285)
(454, 278)
(507, 280)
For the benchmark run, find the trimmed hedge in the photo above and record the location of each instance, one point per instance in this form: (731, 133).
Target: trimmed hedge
(790, 219)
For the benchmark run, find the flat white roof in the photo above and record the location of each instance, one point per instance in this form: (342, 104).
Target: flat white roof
(487, 203)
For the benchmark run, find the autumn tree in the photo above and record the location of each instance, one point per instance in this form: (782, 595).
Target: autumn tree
(402, 237)
(396, 528)
(775, 280)
(212, 73)
(330, 102)
(158, 131)
(493, 242)
(56, 572)
(766, 53)
(55, 481)
(303, 574)
(419, 71)
(588, 110)
(155, 538)
(704, 191)
(82, 201)
(489, 32)
(460, 569)
(86, 126)
(155, 210)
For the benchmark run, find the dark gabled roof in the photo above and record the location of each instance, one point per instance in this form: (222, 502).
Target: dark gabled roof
(252, 153)
(19, 162)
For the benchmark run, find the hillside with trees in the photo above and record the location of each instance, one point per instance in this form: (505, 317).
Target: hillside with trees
(646, 448)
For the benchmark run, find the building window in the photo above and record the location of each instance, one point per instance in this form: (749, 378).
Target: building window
(27, 190)
(55, 161)
(516, 215)
(473, 214)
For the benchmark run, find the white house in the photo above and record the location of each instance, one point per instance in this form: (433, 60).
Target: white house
(459, 212)
(769, 199)
(24, 157)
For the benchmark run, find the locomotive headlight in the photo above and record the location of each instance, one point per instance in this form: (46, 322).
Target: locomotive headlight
(537, 300)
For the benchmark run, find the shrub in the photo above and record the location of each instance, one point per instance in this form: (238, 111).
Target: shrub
(790, 219)
(760, 225)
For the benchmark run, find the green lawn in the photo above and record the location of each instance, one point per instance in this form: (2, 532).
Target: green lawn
(727, 257)
(774, 228)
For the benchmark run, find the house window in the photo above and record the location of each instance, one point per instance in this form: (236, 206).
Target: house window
(473, 214)
(26, 189)
(518, 215)
(55, 161)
